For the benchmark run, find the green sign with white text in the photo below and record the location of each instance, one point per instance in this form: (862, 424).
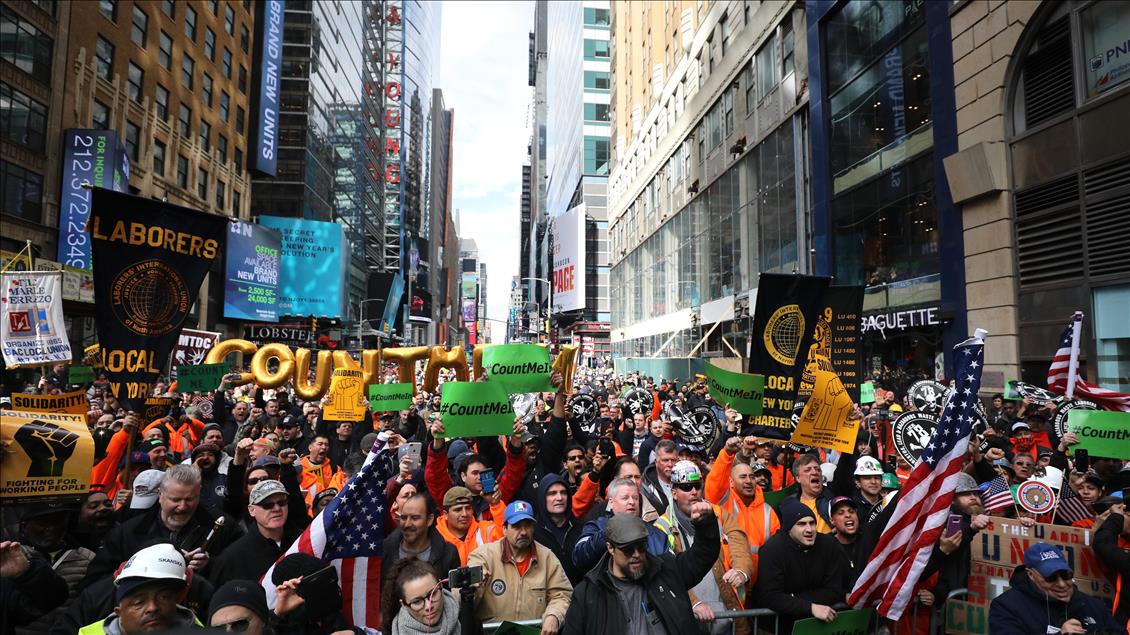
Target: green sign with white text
(386, 397)
(200, 377)
(518, 368)
(80, 375)
(741, 391)
(474, 409)
(1102, 433)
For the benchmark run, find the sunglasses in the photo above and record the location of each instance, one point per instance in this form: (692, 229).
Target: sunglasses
(238, 626)
(575, 457)
(635, 547)
(687, 487)
(255, 481)
(269, 505)
(1059, 576)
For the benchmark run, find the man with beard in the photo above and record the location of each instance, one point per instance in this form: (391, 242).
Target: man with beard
(291, 436)
(573, 472)
(724, 588)
(230, 421)
(458, 524)
(845, 522)
(249, 557)
(522, 579)
(801, 569)
(742, 497)
(633, 592)
(417, 537)
(213, 484)
(176, 518)
(214, 435)
(43, 530)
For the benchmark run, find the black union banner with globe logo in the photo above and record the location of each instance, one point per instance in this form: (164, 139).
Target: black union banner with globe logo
(788, 306)
(150, 259)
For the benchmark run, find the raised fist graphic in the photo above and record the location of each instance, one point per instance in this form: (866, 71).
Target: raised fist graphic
(48, 446)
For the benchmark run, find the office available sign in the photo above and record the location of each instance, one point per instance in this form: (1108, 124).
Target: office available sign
(270, 37)
(251, 282)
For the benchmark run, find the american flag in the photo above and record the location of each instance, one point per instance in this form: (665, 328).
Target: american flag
(1071, 508)
(1058, 371)
(349, 534)
(997, 495)
(904, 547)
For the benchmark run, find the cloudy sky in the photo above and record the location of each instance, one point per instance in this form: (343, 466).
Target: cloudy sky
(483, 75)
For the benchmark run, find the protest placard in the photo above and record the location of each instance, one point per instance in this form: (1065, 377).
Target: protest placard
(155, 408)
(867, 392)
(385, 397)
(741, 391)
(69, 402)
(48, 456)
(1102, 433)
(80, 375)
(518, 367)
(826, 419)
(472, 409)
(346, 401)
(200, 377)
(846, 623)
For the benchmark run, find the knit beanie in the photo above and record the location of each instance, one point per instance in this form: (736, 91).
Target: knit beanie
(792, 511)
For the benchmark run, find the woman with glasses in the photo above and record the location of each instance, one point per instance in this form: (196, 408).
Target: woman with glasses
(416, 602)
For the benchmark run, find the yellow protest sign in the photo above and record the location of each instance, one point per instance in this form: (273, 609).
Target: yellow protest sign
(347, 396)
(46, 456)
(826, 420)
(69, 402)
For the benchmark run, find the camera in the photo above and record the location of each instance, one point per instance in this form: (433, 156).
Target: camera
(464, 576)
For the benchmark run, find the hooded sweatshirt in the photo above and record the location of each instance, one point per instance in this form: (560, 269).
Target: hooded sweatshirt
(113, 626)
(560, 539)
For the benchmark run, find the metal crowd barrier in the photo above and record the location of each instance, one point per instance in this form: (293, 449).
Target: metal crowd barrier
(936, 626)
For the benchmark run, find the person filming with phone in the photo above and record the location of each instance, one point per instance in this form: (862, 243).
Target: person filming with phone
(415, 601)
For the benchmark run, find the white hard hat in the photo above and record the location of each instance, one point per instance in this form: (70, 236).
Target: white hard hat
(828, 470)
(868, 466)
(159, 562)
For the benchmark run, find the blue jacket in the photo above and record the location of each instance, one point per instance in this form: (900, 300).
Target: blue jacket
(1024, 610)
(591, 546)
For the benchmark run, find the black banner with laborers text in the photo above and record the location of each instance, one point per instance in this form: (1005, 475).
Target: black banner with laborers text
(150, 259)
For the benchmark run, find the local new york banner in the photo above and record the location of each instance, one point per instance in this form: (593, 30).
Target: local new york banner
(151, 259)
(31, 319)
(788, 306)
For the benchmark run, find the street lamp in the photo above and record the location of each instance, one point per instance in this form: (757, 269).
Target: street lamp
(361, 318)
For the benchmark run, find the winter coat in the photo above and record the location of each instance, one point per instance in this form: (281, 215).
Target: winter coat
(249, 557)
(1024, 610)
(97, 600)
(548, 462)
(505, 594)
(30, 595)
(69, 564)
(652, 495)
(560, 540)
(596, 605)
(591, 546)
(1117, 560)
(791, 578)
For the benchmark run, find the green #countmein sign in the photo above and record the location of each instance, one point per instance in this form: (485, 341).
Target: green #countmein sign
(80, 375)
(741, 391)
(518, 368)
(867, 392)
(1102, 433)
(200, 378)
(475, 409)
(846, 623)
(385, 397)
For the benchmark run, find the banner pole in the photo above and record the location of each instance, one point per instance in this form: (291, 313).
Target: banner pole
(27, 248)
(16, 258)
(1073, 366)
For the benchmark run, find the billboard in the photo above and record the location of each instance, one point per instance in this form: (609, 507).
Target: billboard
(392, 305)
(569, 260)
(270, 38)
(312, 266)
(421, 306)
(251, 273)
(89, 156)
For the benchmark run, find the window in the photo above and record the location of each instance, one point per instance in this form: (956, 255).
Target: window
(210, 44)
(237, 158)
(222, 148)
(236, 202)
(214, 6)
(169, 7)
(768, 70)
(140, 27)
(109, 8)
(239, 116)
(133, 140)
(135, 78)
(1104, 47)
(104, 58)
(221, 188)
(190, 23)
(728, 112)
(187, 68)
(750, 89)
(727, 33)
(205, 135)
(226, 63)
(596, 155)
(596, 113)
(787, 47)
(229, 20)
(165, 50)
(159, 157)
(22, 119)
(182, 171)
(244, 37)
(242, 80)
(161, 98)
(185, 120)
(859, 32)
(202, 183)
(596, 49)
(597, 17)
(714, 126)
(225, 105)
(598, 81)
(21, 191)
(25, 46)
(206, 88)
(100, 116)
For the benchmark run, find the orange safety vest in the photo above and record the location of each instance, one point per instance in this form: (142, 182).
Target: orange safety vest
(478, 533)
(781, 476)
(757, 526)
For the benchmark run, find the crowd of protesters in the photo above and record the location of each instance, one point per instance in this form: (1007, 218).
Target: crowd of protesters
(615, 525)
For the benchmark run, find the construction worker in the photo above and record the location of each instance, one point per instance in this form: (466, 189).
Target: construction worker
(742, 498)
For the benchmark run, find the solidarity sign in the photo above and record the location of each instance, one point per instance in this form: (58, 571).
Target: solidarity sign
(48, 456)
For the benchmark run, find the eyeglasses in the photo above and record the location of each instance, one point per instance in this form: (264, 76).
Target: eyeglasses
(269, 505)
(635, 547)
(430, 598)
(238, 626)
(1059, 576)
(687, 487)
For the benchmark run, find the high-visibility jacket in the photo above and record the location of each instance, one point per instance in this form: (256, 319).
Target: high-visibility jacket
(478, 533)
(585, 496)
(781, 477)
(105, 472)
(182, 439)
(757, 520)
